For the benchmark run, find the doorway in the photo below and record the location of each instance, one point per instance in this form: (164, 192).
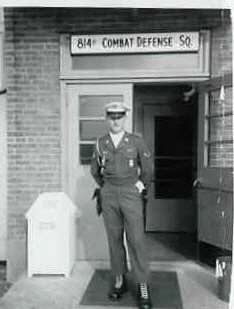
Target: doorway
(156, 108)
(169, 124)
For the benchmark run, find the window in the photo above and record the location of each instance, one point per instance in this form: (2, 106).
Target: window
(218, 130)
(92, 123)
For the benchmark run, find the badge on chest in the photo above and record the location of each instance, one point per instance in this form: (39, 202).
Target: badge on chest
(131, 162)
(131, 155)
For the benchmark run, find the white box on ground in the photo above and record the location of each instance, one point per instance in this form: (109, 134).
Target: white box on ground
(51, 234)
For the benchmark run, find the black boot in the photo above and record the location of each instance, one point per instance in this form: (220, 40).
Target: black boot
(117, 292)
(144, 296)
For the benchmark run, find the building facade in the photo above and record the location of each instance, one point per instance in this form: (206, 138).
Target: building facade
(55, 93)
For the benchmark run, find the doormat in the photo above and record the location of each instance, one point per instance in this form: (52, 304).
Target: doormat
(164, 289)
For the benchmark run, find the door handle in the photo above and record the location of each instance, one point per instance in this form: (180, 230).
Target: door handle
(197, 183)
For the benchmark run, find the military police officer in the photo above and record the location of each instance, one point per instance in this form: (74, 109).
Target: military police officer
(122, 167)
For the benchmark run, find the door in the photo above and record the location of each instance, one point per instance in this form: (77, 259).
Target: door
(169, 129)
(83, 120)
(170, 196)
(215, 163)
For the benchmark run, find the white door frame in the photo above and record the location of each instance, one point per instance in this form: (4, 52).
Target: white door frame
(76, 179)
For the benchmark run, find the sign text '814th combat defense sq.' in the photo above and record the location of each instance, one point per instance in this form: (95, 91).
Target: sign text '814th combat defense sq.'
(135, 43)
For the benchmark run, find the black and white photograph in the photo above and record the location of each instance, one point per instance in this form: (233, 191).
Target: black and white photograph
(116, 154)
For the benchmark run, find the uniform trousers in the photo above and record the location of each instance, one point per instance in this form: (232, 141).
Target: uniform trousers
(122, 210)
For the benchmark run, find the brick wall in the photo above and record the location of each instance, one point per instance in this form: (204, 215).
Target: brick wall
(221, 48)
(31, 57)
(32, 70)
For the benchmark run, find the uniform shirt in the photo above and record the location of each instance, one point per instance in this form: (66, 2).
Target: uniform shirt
(121, 165)
(116, 138)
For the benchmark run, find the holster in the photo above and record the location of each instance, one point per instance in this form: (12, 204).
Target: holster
(97, 196)
(144, 196)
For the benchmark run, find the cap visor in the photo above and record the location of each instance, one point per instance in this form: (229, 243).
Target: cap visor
(115, 115)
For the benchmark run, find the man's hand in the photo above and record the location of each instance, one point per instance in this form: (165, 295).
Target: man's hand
(140, 186)
(97, 196)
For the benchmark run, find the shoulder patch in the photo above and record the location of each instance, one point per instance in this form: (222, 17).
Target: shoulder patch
(146, 154)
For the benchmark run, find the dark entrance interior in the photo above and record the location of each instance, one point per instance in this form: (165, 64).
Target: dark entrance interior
(173, 156)
(167, 118)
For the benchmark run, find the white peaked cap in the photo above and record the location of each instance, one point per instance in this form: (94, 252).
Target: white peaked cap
(116, 107)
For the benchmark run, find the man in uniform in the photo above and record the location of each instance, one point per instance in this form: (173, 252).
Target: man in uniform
(122, 167)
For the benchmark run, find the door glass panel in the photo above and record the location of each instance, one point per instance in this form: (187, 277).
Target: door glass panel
(86, 152)
(92, 122)
(90, 129)
(220, 127)
(219, 133)
(221, 155)
(173, 157)
(216, 108)
(93, 105)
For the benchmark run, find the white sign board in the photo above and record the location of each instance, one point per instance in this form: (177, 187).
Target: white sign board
(135, 43)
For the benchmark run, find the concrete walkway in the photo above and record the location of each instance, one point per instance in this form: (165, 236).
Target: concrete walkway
(198, 287)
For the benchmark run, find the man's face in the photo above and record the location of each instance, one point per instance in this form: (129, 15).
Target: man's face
(116, 123)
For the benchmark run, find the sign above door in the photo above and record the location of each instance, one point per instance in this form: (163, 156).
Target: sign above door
(135, 43)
